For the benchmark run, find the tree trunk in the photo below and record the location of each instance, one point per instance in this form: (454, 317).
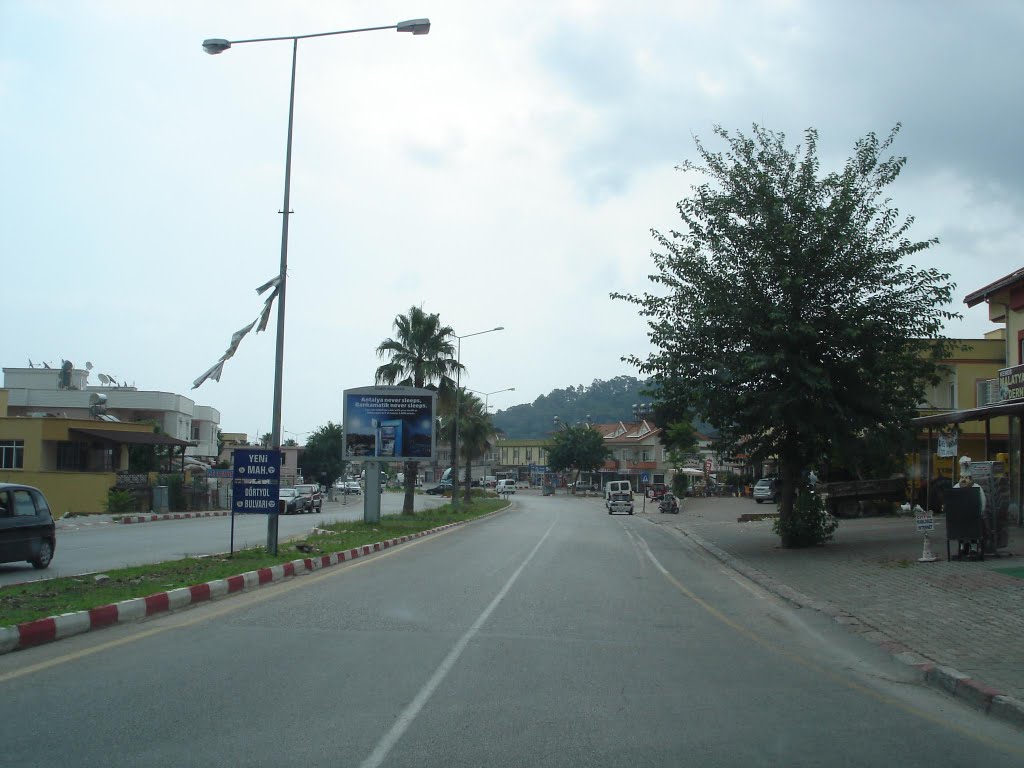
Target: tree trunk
(789, 470)
(469, 480)
(412, 469)
(455, 470)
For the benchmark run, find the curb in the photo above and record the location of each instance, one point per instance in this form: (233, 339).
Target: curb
(50, 629)
(974, 693)
(169, 516)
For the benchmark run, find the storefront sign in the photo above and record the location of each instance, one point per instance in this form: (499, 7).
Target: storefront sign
(947, 445)
(1011, 383)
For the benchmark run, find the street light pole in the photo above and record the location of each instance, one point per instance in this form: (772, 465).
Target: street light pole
(215, 46)
(458, 409)
(487, 395)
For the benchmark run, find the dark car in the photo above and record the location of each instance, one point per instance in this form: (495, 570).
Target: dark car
(312, 494)
(295, 504)
(441, 488)
(27, 531)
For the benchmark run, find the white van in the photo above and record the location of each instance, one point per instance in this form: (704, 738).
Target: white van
(616, 486)
(506, 486)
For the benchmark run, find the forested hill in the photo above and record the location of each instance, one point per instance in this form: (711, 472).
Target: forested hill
(602, 402)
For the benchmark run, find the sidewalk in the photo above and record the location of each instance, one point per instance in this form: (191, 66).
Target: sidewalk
(963, 615)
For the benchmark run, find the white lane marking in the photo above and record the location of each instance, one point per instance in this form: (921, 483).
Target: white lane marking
(405, 719)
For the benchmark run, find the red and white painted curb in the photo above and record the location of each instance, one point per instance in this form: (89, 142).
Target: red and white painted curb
(53, 628)
(169, 516)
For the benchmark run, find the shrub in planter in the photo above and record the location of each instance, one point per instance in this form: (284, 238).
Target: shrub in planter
(809, 524)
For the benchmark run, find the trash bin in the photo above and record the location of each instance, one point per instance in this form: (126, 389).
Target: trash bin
(161, 504)
(548, 490)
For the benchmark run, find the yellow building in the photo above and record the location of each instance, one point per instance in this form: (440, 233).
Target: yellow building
(74, 462)
(966, 383)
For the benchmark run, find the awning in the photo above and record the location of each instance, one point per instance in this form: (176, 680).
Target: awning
(131, 438)
(971, 414)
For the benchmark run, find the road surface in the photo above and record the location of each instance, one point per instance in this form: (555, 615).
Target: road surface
(551, 634)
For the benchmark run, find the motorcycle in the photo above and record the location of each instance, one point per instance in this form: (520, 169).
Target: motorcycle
(669, 504)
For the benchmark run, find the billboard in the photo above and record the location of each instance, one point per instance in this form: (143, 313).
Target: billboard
(389, 423)
(1011, 383)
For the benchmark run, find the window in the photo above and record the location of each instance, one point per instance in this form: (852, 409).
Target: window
(12, 454)
(24, 506)
(195, 433)
(515, 455)
(645, 455)
(529, 455)
(72, 457)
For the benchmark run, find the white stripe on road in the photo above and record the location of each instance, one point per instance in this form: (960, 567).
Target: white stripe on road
(405, 719)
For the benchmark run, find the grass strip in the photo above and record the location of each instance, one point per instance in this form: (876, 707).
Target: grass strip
(1015, 572)
(39, 599)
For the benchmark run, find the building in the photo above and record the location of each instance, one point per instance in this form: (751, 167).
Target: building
(996, 400)
(67, 393)
(73, 461)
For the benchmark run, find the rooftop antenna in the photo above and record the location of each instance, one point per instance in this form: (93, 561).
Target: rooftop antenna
(30, 365)
(88, 366)
(104, 379)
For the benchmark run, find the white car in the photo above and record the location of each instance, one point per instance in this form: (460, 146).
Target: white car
(352, 486)
(506, 486)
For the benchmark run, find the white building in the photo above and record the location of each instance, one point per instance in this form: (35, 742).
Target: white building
(53, 392)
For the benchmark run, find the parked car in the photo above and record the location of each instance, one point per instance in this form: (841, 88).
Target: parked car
(656, 490)
(352, 486)
(441, 488)
(313, 495)
(766, 489)
(27, 530)
(620, 502)
(294, 503)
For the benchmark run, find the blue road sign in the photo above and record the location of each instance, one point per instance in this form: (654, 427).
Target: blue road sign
(253, 464)
(256, 479)
(645, 478)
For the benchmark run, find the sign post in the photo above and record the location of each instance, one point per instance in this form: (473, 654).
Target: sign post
(255, 489)
(925, 521)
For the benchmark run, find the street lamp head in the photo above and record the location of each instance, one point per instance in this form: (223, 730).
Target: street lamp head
(416, 26)
(500, 328)
(216, 45)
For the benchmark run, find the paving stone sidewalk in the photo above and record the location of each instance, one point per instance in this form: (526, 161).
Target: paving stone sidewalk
(964, 615)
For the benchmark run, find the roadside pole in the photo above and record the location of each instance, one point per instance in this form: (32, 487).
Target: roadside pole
(371, 492)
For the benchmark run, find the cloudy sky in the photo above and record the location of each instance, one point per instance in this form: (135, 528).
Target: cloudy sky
(505, 169)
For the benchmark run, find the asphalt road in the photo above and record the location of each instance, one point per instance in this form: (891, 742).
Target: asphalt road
(548, 635)
(87, 548)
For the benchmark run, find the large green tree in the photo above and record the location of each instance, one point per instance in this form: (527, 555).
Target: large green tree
(787, 313)
(420, 354)
(577, 448)
(322, 459)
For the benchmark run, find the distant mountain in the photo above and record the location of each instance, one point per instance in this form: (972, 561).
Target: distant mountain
(602, 402)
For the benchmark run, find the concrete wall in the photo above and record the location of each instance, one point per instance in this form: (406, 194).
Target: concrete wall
(66, 491)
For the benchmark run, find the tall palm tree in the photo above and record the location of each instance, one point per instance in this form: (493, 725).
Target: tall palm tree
(475, 431)
(421, 353)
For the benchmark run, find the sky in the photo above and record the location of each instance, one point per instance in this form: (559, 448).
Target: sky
(504, 170)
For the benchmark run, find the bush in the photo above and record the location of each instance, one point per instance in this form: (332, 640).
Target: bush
(809, 524)
(119, 502)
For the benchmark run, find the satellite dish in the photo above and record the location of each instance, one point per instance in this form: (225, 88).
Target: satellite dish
(104, 379)
(88, 366)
